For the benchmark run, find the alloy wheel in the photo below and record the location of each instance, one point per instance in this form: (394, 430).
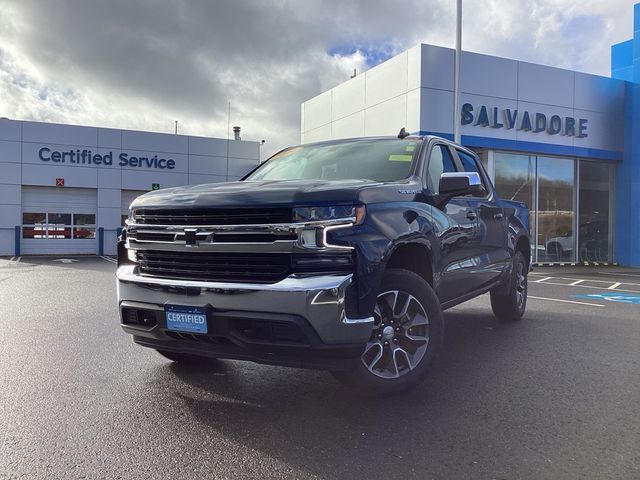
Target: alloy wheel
(521, 284)
(400, 337)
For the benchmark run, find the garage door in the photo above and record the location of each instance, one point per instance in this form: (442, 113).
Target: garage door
(59, 220)
(128, 196)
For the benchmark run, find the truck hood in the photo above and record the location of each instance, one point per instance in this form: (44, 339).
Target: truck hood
(251, 193)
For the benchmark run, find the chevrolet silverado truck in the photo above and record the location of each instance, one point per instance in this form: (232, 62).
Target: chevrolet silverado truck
(339, 255)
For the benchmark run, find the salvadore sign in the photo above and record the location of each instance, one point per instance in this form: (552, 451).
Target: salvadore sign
(535, 122)
(87, 157)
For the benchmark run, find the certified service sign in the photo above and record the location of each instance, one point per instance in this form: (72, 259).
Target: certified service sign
(87, 157)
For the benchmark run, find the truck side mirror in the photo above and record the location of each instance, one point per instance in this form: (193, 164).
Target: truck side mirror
(459, 183)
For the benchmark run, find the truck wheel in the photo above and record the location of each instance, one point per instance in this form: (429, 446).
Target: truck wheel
(407, 335)
(510, 307)
(178, 357)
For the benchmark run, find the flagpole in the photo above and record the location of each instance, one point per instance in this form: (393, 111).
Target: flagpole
(456, 92)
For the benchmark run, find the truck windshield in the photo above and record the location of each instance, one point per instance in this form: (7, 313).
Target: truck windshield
(380, 160)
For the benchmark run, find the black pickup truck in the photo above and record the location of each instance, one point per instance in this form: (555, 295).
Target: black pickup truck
(338, 255)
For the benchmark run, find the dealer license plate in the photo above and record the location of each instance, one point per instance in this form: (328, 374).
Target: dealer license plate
(181, 318)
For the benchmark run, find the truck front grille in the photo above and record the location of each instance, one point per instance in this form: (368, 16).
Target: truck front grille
(239, 267)
(212, 216)
(215, 267)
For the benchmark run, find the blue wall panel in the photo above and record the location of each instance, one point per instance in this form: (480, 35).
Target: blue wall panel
(621, 55)
(625, 65)
(628, 184)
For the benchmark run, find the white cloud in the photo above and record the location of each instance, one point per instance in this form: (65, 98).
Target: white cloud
(143, 64)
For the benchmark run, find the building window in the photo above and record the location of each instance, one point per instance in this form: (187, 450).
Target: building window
(595, 207)
(58, 225)
(515, 179)
(84, 226)
(34, 225)
(555, 218)
(38, 225)
(555, 236)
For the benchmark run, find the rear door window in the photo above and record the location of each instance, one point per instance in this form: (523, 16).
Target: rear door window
(470, 164)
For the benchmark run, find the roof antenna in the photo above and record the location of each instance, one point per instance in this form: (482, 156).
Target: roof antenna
(403, 133)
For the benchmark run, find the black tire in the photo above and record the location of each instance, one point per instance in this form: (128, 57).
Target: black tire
(178, 357)
(415, 341)
(510, 306)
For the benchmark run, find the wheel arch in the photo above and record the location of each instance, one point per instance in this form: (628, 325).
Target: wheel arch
(412, 256)
(524, 246)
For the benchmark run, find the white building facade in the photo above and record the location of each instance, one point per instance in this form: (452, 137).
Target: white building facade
(550, 137)
(66, 189)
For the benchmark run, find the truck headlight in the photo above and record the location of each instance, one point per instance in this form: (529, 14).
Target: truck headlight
(353, 213)
(318, 221)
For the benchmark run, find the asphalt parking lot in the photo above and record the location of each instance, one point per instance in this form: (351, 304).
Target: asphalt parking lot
(554, 396)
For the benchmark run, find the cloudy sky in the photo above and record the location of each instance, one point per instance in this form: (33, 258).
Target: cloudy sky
(141, 64)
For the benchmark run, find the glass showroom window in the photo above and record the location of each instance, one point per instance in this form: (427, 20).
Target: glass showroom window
(595, 207)
(555, 235)
(515, 180)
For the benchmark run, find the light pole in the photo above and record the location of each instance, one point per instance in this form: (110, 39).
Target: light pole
(456, 74)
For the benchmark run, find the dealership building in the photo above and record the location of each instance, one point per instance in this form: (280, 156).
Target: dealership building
(66, 189)
(566, 143)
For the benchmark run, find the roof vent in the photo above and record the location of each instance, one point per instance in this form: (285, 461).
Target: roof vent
(236, 133)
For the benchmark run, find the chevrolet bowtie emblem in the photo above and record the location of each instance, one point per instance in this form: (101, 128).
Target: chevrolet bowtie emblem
(190, 236)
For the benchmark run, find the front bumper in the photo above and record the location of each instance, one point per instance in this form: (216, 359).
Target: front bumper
(299, 321)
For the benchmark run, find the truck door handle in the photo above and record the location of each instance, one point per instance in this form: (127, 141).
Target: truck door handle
(498, 216)
(471, 215)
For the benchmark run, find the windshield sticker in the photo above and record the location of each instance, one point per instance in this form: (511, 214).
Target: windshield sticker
(411, 148)
(400, 158)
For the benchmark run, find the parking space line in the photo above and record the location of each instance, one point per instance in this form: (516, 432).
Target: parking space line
(566, 301)
(593, 287)
(620, 274)
(110, 260)
(577, 282)
(542, 279)
(614, 286)
(598, 281)
(11, 261)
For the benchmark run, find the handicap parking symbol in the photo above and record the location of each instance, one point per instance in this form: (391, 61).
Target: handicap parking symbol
(612, 297)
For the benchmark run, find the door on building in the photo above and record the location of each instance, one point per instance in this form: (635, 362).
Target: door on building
(59, 220)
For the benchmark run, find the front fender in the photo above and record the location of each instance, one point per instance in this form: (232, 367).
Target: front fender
(387, 227)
